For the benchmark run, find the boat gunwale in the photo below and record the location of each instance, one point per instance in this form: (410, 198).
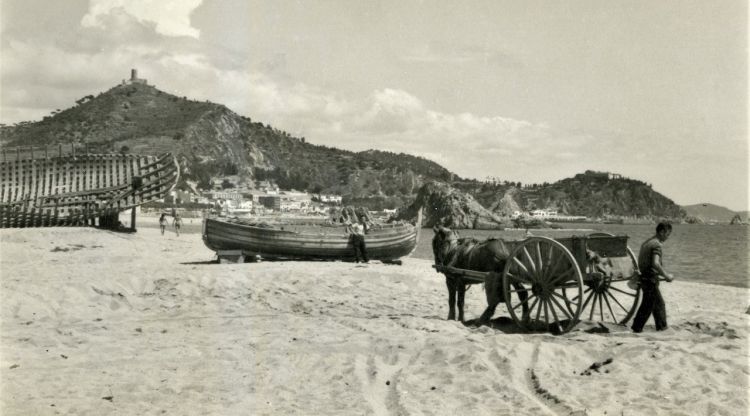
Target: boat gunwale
(399, 229)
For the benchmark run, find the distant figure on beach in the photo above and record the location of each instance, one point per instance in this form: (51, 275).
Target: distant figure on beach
(163, 223)
(177, 223)
(651, 267)
(357, 235)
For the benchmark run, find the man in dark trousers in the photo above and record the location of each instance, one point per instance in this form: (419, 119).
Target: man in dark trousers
(357, 231)
(651, 267)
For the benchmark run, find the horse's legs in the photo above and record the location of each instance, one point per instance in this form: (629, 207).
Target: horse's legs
(451, 284)
(461, 288)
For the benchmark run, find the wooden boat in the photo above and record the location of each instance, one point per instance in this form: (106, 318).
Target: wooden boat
(237, 239)
(80, 189)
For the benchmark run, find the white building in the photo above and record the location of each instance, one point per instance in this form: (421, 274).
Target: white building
(229, 196)
(544, 213)
(336, 199)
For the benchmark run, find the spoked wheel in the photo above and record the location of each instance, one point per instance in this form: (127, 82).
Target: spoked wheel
(544, 272)
(607, 295)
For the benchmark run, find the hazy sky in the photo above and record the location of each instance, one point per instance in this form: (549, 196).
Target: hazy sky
(528, 91)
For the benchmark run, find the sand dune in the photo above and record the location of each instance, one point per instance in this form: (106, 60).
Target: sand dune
(95, 322)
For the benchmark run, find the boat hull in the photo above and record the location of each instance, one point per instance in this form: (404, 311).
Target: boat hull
(75, 190)
(388, 242)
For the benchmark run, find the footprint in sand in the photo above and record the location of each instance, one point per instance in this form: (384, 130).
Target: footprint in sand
(721, 329)
(379, 382)
(118, 299)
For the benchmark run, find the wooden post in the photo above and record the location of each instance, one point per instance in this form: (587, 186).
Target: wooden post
(24, 217)
(59, 150)
(73, 149)
(45, 152)
(132, 219)
(18, 152)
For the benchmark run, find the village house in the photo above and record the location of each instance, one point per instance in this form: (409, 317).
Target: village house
(331, 199)
(295, 201)
(544, 213)
(270, 201)
(180, 197)
(228, 196)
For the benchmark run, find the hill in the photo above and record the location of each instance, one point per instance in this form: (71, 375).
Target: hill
(591, 194)
(212, 142)
(708, 213)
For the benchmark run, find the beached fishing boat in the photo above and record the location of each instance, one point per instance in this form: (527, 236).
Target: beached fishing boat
(241, 239)
(43, 190)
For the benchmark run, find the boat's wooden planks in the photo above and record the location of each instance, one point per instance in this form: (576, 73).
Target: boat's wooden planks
(274, 243)
(70, 190)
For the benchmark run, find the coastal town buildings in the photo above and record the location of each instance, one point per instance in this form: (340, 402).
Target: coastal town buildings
(228, 196)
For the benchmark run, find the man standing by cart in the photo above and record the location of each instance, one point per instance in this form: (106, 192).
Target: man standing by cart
(651, 267)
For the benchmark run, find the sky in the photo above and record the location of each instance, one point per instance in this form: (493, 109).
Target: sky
(524, 90)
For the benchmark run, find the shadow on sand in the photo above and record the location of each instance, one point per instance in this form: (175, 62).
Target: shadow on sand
(507, 325)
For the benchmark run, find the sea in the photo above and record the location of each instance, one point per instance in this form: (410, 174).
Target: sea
(715, 254)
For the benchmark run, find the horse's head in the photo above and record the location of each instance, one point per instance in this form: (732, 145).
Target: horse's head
(443, 242)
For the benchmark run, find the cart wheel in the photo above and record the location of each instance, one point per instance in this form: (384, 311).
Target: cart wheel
(548, 273)
(609, 298)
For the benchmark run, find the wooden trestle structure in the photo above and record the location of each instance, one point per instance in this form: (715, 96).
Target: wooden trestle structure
(80, 190)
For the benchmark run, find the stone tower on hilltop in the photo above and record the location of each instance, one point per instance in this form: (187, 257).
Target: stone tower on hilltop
(134, 77)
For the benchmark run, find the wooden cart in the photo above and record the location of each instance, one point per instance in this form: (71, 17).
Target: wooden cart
(567, 280)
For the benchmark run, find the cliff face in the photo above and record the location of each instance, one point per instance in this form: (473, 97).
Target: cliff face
(218, 137)
(507, 203)
(445, 205)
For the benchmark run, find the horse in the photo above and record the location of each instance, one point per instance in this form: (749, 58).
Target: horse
(471, 254)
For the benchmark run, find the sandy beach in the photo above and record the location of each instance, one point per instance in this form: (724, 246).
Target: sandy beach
(95, 322)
